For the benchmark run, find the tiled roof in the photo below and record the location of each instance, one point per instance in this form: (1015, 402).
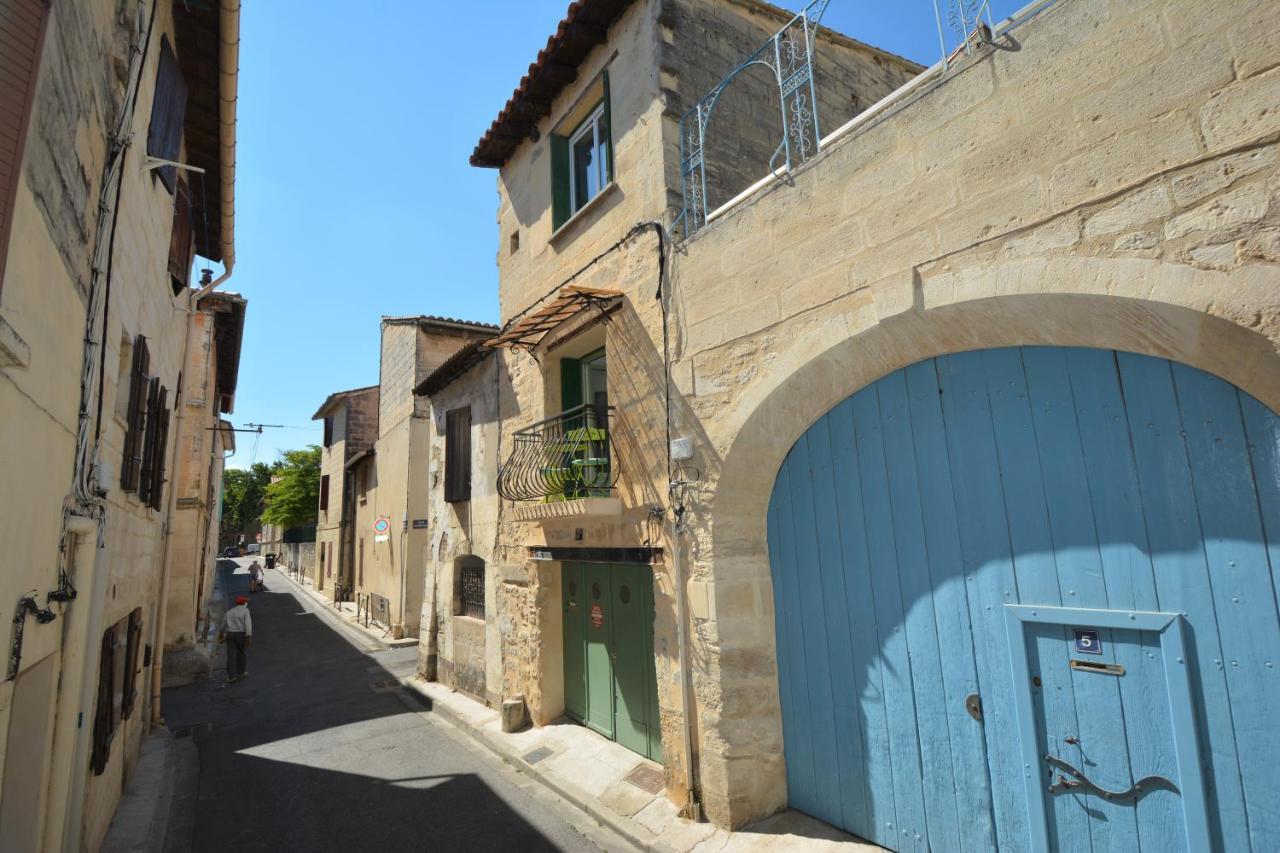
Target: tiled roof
(453, 367)
(584, 26)
(431, 319)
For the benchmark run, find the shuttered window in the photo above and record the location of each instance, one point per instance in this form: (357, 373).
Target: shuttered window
(457, 455)
(131, 465)
(168, 111)
(180, 242)
(151, 475)
(132, 647)
(104, 717)
(324, 493)
(22, 24)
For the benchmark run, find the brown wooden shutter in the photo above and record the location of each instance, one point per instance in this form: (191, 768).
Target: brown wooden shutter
(132, 462)
(160, 457)
(180, 241)
(22, 25)
(104, 723)
(131, 662)
(168, 111)
(324, 493)
(147, 468)
(457, 455)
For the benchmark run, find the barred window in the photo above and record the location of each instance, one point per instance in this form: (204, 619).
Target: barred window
(471, 587)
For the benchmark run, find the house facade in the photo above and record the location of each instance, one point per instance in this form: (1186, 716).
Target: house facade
(385, 487)
(203, 440)
(118, 133)
(918, 450)
(350, 428)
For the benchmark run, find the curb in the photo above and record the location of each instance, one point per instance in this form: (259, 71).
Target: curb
(624, 827)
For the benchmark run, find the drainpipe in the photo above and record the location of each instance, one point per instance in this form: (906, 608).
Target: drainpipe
(693, 808)
(74, 721)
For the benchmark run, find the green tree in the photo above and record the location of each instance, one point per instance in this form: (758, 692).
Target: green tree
(243, 493)
(294, 497)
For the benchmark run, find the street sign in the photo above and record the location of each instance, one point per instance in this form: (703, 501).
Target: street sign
(383, 524)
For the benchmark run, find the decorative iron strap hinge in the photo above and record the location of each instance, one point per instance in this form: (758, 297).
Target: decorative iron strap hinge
(1081, 784)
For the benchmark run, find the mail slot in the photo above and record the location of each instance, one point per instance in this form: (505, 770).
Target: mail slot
(1098, 667)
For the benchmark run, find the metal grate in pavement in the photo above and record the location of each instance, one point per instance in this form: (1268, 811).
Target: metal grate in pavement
(646, 777)
(537, 755)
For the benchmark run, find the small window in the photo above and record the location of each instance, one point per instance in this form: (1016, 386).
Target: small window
(581, 154)
(328, 431)
(471, 587)
(588, 160)
(104, 715)
(457, 455)
(180, 240)
(132, 647)
(324, 493)
(362, 482)
(131, 464)
(513, 242)
(156, 438)
(168, 111)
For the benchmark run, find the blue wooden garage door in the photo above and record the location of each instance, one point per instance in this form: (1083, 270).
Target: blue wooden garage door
(1025, 600)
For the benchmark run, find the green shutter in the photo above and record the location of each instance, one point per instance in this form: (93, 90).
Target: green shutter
(607, 129)
(559, 180)
(570, 383)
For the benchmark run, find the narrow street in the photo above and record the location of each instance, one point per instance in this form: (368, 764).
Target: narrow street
(311, 753)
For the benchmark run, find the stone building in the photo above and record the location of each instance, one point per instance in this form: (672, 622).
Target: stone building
(460, 645)
(386, 495)
(350, 428)
(936, 453)
(98, 321)
(202, 440)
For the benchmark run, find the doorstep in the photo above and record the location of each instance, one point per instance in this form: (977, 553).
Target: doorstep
(345, 613)
(592, 772)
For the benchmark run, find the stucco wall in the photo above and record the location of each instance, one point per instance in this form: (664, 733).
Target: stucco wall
(43, 300)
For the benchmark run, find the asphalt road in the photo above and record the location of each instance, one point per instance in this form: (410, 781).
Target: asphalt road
(309, 753)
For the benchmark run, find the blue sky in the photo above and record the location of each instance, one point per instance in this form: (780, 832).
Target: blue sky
(354, 198)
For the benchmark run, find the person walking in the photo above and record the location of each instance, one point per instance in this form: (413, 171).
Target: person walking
(255, 577)
(237, 630)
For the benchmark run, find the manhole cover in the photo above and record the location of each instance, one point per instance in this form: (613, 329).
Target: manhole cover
(537, 755)
(646, 777)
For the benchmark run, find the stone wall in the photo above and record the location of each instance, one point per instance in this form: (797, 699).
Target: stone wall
(705, 40)
(995, 207)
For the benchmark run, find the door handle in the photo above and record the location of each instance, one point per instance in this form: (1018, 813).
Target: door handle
(1081, 783)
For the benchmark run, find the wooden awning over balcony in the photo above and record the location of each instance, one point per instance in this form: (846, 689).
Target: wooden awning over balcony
(529, 330)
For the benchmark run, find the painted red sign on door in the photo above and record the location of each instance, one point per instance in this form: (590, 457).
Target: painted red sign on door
(597, 616)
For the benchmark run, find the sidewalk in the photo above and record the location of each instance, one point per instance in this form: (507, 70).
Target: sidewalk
(344, 612)
(620, 789)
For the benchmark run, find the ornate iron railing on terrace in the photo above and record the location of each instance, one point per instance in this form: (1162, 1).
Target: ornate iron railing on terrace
(788, 54)
(565, 457)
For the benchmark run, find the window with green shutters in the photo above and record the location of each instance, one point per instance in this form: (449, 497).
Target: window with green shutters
(581, 156)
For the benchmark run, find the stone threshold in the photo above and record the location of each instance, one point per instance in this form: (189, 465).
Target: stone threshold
(591, 772)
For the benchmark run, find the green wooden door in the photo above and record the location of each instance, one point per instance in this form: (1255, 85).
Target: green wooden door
(635, 680)
(598, 628)
(610, 680)
(573, 593)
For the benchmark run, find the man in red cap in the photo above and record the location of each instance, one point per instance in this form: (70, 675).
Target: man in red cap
(237, 628)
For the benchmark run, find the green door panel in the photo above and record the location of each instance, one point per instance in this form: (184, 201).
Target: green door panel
(598, 627)
(651, 672)
(631, 695)
(573, 593)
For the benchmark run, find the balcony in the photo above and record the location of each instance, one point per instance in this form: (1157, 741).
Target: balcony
(563, 467)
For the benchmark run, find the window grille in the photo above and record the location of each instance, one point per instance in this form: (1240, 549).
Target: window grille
(472, 582)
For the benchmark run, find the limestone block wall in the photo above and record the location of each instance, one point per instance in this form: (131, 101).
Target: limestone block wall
(704, 40)
(1134, 208)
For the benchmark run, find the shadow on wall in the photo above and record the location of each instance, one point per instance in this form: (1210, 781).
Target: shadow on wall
(270, 749)
(906, 518)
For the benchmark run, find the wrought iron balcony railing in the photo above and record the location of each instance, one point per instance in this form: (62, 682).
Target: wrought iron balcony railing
(565, 457)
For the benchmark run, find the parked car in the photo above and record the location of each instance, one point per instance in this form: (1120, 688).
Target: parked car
(253, 550)
(231, 551)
